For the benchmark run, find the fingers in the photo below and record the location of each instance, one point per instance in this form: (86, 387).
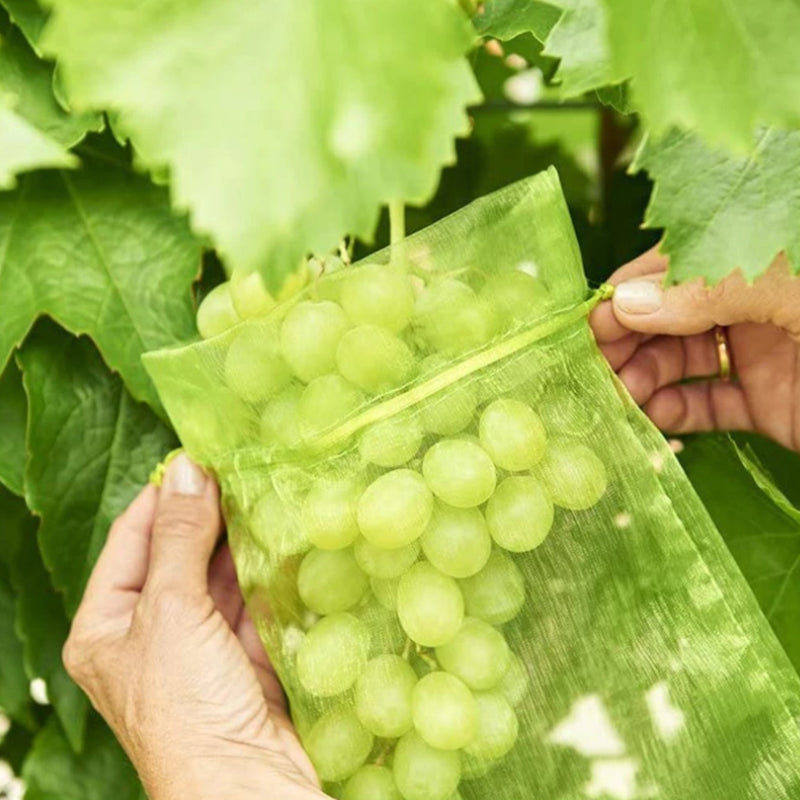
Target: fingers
(643, 304)
(697, 407)
(121, 569)
(606, 326)
(668, 359)
(224, 587)
(186, 527)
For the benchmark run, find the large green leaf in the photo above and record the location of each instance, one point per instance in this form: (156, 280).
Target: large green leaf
(715, 66)
(13, 415)
(92, 448)
(505, 19)
(579, 39)
(24, 148)
(102, 771)
(14, 692)
(759, 524)
(721, 211)
(100, 251)
(30, 81)
(29, 16)
(43, 627)
(15, 699)
(285, 124)
(40, 621)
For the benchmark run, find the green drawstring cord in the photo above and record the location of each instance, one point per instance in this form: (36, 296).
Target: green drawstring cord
(466, 367)
(157, 475)
(398, 403)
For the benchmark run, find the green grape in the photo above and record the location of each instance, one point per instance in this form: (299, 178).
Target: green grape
(478, 655)
(374, 359)
(385, 591)
(329, 513)
(326, 401)
(456, 541)
(574, 476)
(392, 442)
(519, 514)
(383, 696)
(496, 594)
(497, 727)
(429, 605)
(515, 296)
(332, 655)
(310, 335)
(216, 313)
(512, 434)
(452, 319)
(451, 412)
(254, 369)
(249, 295)
(424, 773)
(338, 744)
(331, 581)
(444, 711)
(279, 418)
(395, 509)
(459, 472)
(372, 783)
(386, 635)
(275, 529)
(378, 294)
(514, 683)
(379, 562)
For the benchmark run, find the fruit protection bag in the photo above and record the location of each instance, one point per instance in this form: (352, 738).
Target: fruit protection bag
(477, 568)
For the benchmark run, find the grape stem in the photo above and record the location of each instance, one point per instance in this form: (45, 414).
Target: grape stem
(397, 221)
(407, 649)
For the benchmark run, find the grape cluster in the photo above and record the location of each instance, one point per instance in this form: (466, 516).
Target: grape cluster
(406, 561)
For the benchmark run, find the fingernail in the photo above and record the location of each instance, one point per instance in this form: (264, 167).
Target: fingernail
(638, 297)
(184, 477)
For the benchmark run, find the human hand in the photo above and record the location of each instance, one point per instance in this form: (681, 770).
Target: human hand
(655, 338)
(166, 652)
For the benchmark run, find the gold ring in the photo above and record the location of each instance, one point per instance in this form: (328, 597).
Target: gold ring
(723, 352)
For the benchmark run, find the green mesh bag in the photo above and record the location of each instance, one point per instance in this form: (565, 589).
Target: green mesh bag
(477, 568)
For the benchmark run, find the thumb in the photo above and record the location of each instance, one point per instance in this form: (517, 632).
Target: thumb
(185, 530)
(645, 305)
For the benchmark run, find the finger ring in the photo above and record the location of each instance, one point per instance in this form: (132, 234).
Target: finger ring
(723, 352)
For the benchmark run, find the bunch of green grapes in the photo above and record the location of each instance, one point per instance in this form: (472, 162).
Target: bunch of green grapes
(407, 572)
(353, 335)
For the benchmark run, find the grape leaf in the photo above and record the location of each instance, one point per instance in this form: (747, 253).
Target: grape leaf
(30, 81)
(91, 447)
(29, 16)
(718, 67)
(505, 19)
(13, 413)
(14, 692)
(711, 202)
(43, 626)
(759, 524)
(53, 772)
(40, 621)
(579, 39)
(101, 252)
(24, 148)
(276, 160)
